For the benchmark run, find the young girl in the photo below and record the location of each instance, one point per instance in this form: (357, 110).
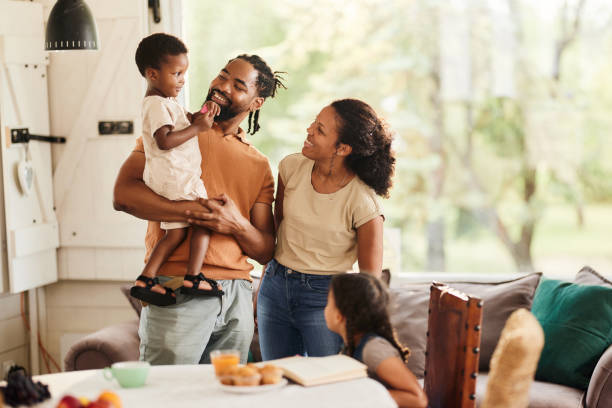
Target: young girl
(357, 309)
(173, 164)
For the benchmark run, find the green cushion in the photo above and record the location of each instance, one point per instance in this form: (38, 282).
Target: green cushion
(577, 323)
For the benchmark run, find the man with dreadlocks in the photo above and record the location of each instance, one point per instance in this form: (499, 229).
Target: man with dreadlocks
(238, 213)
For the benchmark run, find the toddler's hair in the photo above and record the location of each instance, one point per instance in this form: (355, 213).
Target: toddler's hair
(364, 301)
(152, 50)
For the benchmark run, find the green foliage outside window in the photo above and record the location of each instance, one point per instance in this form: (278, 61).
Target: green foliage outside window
(535, 161)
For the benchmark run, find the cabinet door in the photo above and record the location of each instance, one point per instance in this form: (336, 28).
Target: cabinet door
(97, 242)
(32, 235)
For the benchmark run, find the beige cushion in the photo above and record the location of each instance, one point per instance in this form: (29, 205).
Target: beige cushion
(514, 362)
(588, 276)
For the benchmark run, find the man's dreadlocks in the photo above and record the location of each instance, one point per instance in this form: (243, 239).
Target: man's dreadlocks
(268, 82)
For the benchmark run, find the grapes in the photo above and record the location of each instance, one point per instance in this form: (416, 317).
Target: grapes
(21, 390)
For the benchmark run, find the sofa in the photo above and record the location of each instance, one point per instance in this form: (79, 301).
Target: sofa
(409, 314)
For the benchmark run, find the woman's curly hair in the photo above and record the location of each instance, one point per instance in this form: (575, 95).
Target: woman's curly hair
(363, 300)
(371, 157)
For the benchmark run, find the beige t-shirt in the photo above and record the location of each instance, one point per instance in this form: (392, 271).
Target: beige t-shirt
(318, 233)
(174, 173)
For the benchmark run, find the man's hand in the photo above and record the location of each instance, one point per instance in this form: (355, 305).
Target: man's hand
(254, 235)
(224, 217)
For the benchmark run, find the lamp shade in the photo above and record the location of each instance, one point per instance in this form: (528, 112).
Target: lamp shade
(71, 27)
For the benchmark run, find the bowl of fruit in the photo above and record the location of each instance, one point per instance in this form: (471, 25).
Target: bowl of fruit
(106, 399)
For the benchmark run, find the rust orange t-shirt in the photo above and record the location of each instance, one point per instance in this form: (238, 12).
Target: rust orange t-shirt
(230, 165)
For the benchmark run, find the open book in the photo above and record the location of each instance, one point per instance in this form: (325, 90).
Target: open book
(309, 371)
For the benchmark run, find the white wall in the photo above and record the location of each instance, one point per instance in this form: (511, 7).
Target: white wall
(76, 308)
(14, 344)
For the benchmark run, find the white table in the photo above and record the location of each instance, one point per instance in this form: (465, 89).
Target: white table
(195, 386)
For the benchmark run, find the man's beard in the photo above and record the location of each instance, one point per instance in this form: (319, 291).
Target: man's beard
(225, 112)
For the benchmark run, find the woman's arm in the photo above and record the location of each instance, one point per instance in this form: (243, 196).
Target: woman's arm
(278, 204)
(133, 196)
(278, 217)
(370, 246)
(404, 387)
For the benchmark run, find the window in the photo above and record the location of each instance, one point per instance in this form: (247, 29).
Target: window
(501, 112)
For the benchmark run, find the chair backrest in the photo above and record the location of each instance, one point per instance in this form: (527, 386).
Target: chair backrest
(453, 347)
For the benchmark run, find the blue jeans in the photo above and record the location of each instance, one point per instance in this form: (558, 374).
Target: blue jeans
(290, 315)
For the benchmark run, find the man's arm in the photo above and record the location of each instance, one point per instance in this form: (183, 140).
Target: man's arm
(133, 196)
(255, 236)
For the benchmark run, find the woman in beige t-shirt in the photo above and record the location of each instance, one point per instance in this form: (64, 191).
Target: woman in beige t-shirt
(327, 217)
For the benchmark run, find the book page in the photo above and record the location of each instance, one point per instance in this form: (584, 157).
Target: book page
(321, 370)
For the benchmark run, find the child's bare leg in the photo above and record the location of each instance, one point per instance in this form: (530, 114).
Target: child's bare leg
(161, 252)
(200, 237)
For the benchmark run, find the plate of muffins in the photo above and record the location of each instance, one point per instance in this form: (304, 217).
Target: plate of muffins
(246, 379)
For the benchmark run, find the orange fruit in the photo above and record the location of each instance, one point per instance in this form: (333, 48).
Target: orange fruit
(110, 397)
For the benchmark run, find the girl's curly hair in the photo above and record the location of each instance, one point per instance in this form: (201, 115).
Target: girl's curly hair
(370, 138)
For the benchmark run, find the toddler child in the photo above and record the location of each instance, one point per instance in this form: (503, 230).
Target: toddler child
(357, 309)
(173, 164)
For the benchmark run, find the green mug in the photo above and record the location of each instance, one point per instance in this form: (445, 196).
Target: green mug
(129, 374)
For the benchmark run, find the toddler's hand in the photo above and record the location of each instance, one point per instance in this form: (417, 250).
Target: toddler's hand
(211, 107)
(203, 121)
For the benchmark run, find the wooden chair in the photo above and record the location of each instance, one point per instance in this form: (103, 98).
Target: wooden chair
(453, 341)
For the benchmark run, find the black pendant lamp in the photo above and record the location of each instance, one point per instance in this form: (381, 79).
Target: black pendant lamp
(71, 27)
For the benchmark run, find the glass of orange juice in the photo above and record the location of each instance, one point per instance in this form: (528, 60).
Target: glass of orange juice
(224, 359)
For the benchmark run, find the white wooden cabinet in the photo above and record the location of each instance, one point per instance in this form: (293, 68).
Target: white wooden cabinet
(30, 225)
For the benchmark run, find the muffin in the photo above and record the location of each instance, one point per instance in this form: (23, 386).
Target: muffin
(270, 374)
(246, 376)
(226, 375)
